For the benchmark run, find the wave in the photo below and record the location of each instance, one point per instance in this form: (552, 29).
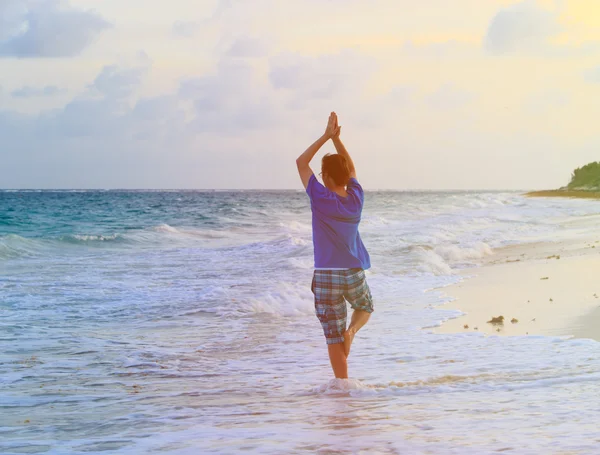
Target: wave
(428, 261)
(15, 246)
(295, 226)
(165, 228)
(282, 299)
(440, 259)
(455, 253)
(90, 238)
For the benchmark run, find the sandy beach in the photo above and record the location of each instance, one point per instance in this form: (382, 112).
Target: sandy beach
(538, 289)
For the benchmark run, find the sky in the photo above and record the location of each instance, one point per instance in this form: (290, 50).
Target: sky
(434, 94)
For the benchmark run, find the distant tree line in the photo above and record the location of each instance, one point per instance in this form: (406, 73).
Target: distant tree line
(586, 177)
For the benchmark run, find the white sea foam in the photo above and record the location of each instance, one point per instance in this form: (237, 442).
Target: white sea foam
(101, 238)
(166, 228)
(281, 299)
(295, 226)
(455, 253)
(428, 261)
(342, 386)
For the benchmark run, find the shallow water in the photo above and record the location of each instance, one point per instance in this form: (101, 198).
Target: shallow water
(182, 322)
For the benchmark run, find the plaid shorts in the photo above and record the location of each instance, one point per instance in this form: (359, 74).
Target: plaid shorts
(330, 287)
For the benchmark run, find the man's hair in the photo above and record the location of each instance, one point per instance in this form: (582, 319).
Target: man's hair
(336, 167)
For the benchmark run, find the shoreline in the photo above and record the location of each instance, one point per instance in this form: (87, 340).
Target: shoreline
(549, 288)
(575, 194)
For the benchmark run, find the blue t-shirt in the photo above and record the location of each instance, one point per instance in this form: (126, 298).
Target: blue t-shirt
(335, 221)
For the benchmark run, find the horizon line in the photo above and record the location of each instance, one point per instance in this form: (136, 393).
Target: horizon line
(265, 189)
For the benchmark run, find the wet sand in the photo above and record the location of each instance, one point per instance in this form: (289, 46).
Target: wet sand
(539, 289)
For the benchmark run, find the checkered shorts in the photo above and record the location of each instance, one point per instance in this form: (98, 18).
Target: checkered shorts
(330, 287)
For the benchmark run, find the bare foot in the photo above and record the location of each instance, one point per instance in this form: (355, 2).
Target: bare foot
(348, 339)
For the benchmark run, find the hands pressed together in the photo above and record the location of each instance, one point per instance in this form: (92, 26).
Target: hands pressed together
(331, 132)
(333, 129)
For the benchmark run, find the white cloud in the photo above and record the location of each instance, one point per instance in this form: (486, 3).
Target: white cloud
(32, 92)
(248, 47)
(185, 29)
(117, 83)
(231, 99)
(522, 27)
(234, 108)
(324, 77)
(46, 29)
(221, 111)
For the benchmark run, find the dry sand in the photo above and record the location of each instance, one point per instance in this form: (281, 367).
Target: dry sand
(549, 288)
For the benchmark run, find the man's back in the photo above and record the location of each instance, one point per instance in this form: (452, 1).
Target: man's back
(335, 220)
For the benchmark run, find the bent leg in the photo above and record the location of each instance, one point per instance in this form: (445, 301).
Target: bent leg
(359, 296)
(359, 318)
(338, 360)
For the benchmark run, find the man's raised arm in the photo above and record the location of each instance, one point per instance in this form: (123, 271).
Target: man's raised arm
(303, 160)
(341, 149)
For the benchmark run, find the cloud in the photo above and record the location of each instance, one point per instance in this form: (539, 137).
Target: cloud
(185, 29)
(324, 77)
(225, 6)
(248, 47)
(118, 83)
(32, 92)
(232, 116)
(522, 27)
(50, 28)
(231, 99)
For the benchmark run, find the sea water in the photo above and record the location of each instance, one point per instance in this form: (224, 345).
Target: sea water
(182, 322)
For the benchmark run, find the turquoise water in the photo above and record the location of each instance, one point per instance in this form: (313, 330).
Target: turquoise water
(183, 322)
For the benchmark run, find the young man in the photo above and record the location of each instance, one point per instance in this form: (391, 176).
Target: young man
(340, 256)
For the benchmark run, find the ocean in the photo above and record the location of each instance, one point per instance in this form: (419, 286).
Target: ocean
(182, 322)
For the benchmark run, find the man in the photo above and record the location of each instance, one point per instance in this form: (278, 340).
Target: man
(340, 256)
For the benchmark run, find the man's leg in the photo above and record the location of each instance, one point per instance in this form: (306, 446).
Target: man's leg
(330, 308)
(359, 318)
(359, 296)
(338, 360)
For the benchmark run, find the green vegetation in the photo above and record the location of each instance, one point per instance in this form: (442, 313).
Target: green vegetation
(586, 178)
(585, 183)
